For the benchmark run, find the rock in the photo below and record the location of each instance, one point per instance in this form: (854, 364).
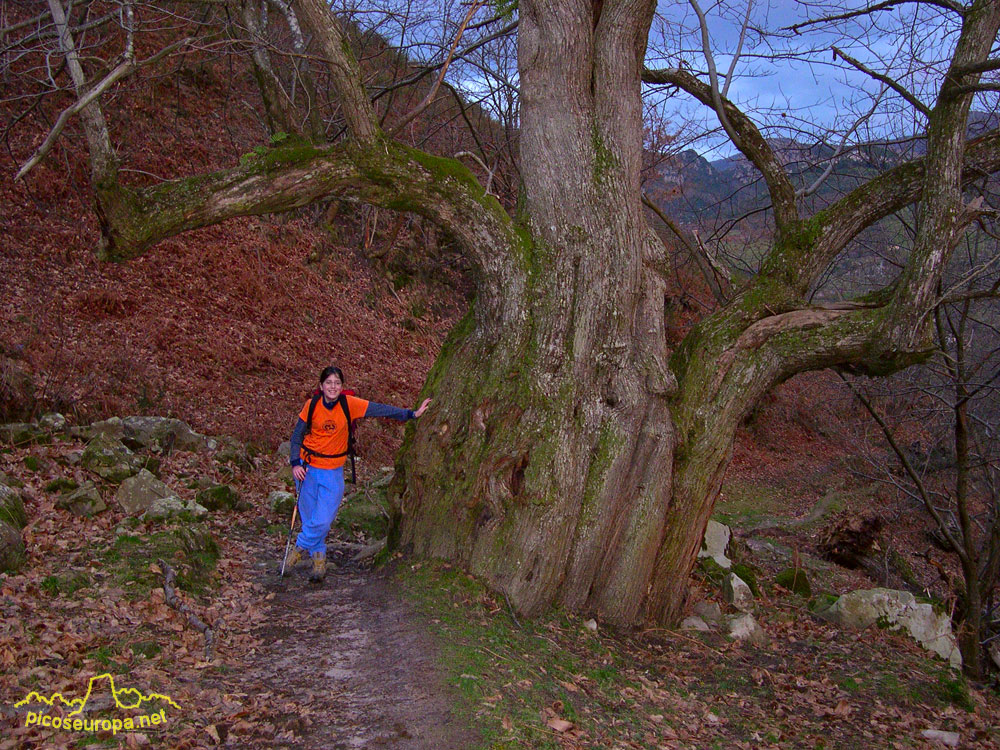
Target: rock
(949, 739)
(285, 449)
(85, 500)
(12, 554)
(694, 623)
(281, 503)
(235, 455)
(10, 481)
(795, 580)
(12, 507)
(171, 507)
(137, 494)
(708, 611)
(52, 422)
(17, 391)
(994, 652)
(737, 592)
(110, 459)
(746, 628)
(219, 497)
(715, 543)
(898, 610)
(591, 625)
(18, 433)
(158, 433)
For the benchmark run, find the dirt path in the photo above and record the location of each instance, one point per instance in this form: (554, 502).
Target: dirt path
(353, 653)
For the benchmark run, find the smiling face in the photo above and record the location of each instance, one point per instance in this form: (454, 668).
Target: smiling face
(331, 387)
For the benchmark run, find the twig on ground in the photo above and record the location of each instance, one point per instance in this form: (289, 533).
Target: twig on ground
(169, 574)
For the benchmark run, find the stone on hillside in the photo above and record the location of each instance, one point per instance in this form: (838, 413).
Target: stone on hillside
(746, 628)
(281, 503)
(285, 449)
(52, 422)
(12, 507)
(10, 481)
(737, 592)
(715, 543)
(12, 555)
(234, 454)
(795, 580)
(219, 497)
(110, 460)
(948, 739)
(85, 500)
(19, 433)
(17, 391)
(158, 433)
(708, 611)
(694, 623)
(994, 652)
(898, 610)
(171, 507)
(137, 494)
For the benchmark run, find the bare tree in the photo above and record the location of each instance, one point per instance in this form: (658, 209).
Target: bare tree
(571, 458)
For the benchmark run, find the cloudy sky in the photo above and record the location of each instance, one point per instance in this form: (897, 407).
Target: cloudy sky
(792, 80)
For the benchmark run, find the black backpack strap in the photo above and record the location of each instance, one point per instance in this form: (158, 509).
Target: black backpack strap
(312, 410)
(342, 400)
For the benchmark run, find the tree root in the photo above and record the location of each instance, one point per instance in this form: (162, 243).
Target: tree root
(169, 574)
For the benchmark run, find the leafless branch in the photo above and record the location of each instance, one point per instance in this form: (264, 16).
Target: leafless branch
(887, 5)
(169, 576)
(894, 85)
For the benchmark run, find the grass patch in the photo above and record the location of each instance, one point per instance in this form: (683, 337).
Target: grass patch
(190, 550)
(512, 680)
(746, 504)
(67, 584)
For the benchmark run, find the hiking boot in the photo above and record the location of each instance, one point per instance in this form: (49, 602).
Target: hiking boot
(319, 567)
(295, 556)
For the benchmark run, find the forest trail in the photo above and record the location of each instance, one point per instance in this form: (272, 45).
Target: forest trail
(354, 651)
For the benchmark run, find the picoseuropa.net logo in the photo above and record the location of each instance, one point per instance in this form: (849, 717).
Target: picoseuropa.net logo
(124, 698)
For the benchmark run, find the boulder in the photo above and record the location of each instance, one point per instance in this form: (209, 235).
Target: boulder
(948, 739)
(715, 543)
(737, 592)
(898, 610)
(171, 507)
(19, 433)
(994, 652)
(708, 611)
(285, 449)
(795, 580)
(219, 497)
(85, 500)
(110, 459)
(158, 433)
(137, 494)
(52, 422)
(12, 507)
(694, 623)
(17, 391)
(12, 554)
(745, 628)
(281, 503)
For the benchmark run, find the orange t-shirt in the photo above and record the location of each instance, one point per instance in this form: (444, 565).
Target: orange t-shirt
(328, 433)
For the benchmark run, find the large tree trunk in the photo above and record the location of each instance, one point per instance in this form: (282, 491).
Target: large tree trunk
(546, 465)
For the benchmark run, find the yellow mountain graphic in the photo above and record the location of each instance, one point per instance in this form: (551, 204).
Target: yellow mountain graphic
(124, 697)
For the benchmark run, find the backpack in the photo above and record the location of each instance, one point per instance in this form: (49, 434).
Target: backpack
(342, 402)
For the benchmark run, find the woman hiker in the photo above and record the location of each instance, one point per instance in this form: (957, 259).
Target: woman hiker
(318, 452)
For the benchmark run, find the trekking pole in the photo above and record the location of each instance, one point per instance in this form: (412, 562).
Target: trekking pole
(290, 530)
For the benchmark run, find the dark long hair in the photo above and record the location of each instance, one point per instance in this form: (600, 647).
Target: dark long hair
(331, 370)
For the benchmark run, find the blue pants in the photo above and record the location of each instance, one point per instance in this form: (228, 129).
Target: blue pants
(320, 494)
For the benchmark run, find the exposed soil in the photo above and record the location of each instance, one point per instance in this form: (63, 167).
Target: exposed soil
(359, 651)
